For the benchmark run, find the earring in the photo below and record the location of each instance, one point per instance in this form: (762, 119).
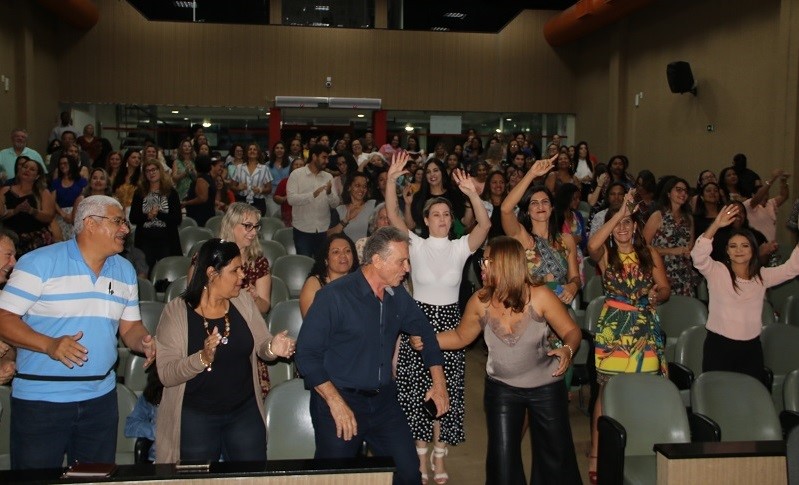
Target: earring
(205, 287)
(610, 241)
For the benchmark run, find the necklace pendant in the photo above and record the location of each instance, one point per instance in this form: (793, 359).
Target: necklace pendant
(224, 340)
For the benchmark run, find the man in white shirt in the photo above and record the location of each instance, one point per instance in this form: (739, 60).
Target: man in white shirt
(18, 148)
(310, 193)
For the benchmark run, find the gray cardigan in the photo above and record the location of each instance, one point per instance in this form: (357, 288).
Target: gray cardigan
(175, 367)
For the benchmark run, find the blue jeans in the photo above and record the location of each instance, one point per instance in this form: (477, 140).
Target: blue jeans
(239, 435)
(307, 243)
(381, 424)
(41, 432)
(553, 449)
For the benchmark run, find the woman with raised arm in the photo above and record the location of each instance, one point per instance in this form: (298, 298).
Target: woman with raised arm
(524, 373)
(736, 287)
(437, 264)
(551, 255)
(628, 337)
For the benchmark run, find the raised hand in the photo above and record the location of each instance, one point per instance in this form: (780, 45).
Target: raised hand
(727, 215)
(542, 167)
(397, 166)
(464, 181)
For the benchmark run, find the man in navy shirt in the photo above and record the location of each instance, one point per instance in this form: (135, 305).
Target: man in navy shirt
(344, 352)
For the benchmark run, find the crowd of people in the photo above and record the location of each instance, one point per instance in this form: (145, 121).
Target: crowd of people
(387, 307)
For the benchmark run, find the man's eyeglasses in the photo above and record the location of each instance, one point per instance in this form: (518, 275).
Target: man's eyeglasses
(249, 226)
(117, 221)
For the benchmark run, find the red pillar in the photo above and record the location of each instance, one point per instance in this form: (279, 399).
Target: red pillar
(380, 127)
(274, 125)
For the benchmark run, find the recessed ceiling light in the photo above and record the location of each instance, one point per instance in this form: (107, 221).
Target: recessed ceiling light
(455, 15)
(174, 111)
(409, 128)
(185, 119)
(498, 130)
(440, 29)
(322, 8)
(361, 115)
(184, 4)
(508, 119)
(206, 124)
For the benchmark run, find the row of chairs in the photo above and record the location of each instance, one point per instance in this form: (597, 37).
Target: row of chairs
(642, 410)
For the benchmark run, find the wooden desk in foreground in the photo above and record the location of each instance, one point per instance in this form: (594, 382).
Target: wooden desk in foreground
(730, 463)
(355, 471)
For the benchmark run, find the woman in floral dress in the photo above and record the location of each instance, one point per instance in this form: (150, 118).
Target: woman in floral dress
(670, 230)
(628, 338)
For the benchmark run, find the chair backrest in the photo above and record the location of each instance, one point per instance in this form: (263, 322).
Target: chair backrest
(789, 313)
(792, 456)
(738, 403)
(293, 269)
(151, 314)
(593, 288)
(780, 344)
(5, 427)
(189, 236)
(680, 313)
(286, 316)
(268, 227)
(126, 400)
(285, 237)
(214, 224)
(592, 312)
(654, 396)
(790, 391)
(779, 294)
(175, 288)
(170, 268)
(135, 374)
(187, 222)
(689, 348)
(280, 292)
(288, 418)
(272, 250)
(146, 290)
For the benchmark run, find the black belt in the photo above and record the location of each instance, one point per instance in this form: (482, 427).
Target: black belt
(361, 392)
(35, 377)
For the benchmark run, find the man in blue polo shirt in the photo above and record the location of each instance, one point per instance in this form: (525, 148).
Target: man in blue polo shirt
(344, 353)
(61, 309)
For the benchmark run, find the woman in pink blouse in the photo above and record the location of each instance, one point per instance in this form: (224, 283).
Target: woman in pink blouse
(737, 287)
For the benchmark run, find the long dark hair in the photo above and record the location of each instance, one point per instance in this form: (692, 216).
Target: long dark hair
(645, 262)
(563, 201)
(319, 268)
(701, 209)
(723, 184)
(524, 212)
(215, 253)
(284, 162)
(123, 171)
(665, 204)
(420, 198)
(346, 198)
(753, 270)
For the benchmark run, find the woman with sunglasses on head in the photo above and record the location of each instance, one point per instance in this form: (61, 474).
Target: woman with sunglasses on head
(209, 342)
(551, 255)
(628, 337)
(670, 230)
(155, 210)
(524, 373)
(437, 264)
(737, 286)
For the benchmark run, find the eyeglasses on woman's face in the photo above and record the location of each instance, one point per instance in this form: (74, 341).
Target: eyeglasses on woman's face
(249, 226)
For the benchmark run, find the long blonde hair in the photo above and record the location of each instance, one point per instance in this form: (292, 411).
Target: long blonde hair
(234, 215)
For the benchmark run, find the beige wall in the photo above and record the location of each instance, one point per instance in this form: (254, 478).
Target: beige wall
(128, 59)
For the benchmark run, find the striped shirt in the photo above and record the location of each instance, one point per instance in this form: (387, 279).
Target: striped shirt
(56, 294)
(259, 178)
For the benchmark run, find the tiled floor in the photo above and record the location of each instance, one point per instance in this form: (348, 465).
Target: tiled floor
(466, 462)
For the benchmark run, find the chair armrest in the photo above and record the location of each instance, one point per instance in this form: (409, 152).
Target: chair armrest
(610, 460)
(141, 450)
(680, 375)
(703, 428)
(788, 420)
(767, 378)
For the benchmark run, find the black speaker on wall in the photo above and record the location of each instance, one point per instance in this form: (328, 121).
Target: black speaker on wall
(680, 77)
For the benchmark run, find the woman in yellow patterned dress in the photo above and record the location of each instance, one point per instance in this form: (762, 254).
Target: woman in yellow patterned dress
(628, 338)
